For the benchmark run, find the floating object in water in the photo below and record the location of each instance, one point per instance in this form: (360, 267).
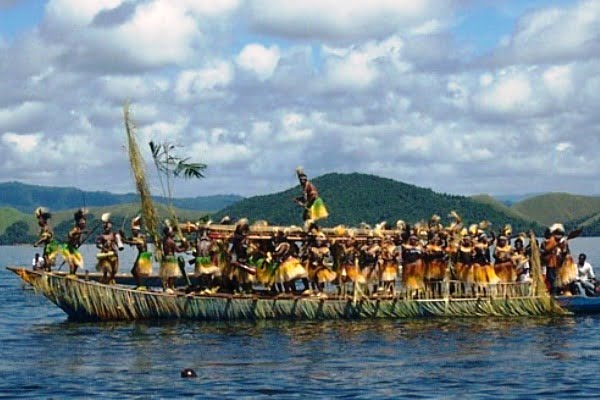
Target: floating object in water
(188, 373)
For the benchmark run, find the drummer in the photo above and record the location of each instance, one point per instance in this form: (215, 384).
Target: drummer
(109, 244)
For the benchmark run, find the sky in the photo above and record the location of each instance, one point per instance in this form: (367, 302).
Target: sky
(461, 96)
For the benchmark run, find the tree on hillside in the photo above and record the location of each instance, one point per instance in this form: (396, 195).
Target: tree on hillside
(17, 233)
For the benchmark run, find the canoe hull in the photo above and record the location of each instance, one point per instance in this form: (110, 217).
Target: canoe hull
(92, 301)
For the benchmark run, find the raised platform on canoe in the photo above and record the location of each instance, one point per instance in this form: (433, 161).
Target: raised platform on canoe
(88, 300)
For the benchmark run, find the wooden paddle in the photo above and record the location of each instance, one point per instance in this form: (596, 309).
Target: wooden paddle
(181, 263)
(574, 234)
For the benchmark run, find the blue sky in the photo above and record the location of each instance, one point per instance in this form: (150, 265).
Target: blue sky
(460, 96)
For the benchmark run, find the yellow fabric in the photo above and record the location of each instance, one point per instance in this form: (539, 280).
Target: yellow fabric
(318, 210)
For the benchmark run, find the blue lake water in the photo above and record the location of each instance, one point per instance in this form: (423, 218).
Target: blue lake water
(42, 355)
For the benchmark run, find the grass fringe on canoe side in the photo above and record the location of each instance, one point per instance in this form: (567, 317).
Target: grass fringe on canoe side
(84, 300)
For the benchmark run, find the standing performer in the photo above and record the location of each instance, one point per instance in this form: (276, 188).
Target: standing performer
(46, 238)
(169, 267)
(70, 250)
(109, 244)
(206, 261)
(142, 266)
(314, 208)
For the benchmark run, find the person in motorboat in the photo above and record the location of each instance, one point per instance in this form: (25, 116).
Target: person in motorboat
(37, 263)
(586, 279)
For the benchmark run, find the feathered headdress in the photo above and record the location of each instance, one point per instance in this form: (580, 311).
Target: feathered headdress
(225, 220)
(105, 217)
(43, 212)
(136, 223)
(557, 228)
(300, 172)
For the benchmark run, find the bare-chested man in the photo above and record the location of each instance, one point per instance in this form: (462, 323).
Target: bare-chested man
(70, 251)
(108, 258)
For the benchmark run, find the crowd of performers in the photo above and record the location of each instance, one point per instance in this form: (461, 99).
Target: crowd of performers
(373, 260)
(306, 260)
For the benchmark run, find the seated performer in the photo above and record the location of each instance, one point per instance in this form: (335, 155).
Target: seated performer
(314, 208)
(319, 266)
(142, 266)
(70, 250)
(46, 238)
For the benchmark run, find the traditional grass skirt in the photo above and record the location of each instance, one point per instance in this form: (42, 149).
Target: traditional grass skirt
(566, 273)
(205, 266)
(290, 270)
(413, 274)
(144, 263)
(350, 273)
(506, 272)
(107, 262)
(389, 272)
(318, 210)
(435, 270)
(51, 251)
(169, 268)
(72, 255)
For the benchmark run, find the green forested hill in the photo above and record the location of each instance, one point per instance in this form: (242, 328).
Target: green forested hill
(501, 207)
(558, 207)
(26, 198)
(354, 198)
(9, 216)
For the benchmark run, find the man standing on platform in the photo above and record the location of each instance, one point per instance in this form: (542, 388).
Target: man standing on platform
(314, 208)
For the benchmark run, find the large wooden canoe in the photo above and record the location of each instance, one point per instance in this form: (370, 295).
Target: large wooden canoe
(88, 300)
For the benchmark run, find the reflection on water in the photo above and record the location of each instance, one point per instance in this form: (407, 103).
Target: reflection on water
(44, 355)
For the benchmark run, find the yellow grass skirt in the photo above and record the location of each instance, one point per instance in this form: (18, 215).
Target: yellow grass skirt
(567, 273)
(290, 270)
(144, 264)
(435, 270)
(205, 266)
(413, 274)
(352, 274)
(318, 210)
(506, 272)
(72, 256)
(389, 272)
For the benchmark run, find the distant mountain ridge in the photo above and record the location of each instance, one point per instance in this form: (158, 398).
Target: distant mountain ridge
(26, 198)
(549, 208)
(354, 198)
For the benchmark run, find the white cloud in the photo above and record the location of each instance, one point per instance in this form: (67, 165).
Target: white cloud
(331, 19)
(259, 59)
(208, 82)
(510, 94)
(555, 34)
(22, 144)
